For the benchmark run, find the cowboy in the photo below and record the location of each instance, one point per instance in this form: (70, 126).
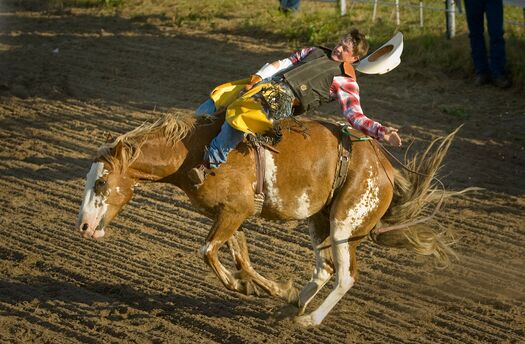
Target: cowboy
(308, 78)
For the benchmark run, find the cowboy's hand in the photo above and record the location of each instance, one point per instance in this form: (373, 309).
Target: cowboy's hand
(254, 79)
(392, 137)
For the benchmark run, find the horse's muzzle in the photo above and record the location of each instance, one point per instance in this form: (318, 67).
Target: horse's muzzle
(87, 231)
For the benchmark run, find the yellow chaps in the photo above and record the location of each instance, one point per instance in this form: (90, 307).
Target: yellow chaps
(243, 112)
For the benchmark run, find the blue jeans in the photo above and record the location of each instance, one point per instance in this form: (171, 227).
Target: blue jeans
(292, 5)
(229, 137)
(223, 144)
(206, 108)
(476, 10)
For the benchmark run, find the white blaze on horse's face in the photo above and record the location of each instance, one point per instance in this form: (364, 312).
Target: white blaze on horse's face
(94, 205)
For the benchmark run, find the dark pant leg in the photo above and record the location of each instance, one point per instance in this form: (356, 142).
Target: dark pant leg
(475, 10)
(497, 42)
(223, 144)
(290, 4)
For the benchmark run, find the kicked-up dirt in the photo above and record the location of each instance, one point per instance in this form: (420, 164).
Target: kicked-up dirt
(68, 78)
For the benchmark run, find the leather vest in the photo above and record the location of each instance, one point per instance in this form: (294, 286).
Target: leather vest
(311, 78)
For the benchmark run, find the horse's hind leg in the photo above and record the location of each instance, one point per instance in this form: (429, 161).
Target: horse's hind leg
(344, 281)
(319, 227)
(353, 260)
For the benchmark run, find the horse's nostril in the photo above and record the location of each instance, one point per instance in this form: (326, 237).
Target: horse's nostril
(84, 227)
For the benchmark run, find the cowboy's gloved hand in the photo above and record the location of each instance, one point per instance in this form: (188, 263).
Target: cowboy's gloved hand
(391, 136)
(254, 79)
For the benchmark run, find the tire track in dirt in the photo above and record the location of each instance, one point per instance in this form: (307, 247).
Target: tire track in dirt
(146, 221)
(132, 269)
(117, 258)
(156, 224)
(145, 282)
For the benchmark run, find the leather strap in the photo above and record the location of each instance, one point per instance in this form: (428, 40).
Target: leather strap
(259, 172)
(345, 146)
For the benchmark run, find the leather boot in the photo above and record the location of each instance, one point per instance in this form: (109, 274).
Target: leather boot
(199, 173)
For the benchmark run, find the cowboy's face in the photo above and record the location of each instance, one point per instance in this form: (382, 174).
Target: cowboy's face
(344, 53)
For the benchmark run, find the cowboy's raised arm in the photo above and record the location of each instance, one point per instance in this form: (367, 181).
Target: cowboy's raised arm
(346, 90)
(270, 69)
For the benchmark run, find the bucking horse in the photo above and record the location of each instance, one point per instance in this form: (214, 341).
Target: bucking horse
(306, 175)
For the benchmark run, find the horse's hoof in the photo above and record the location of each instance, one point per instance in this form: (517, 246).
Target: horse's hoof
(235, 285)
(249, 288)
(246, 285)
(283, 313)
(293, 296)
(305, 321)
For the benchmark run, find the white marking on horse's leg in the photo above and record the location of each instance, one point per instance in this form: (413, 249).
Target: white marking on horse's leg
(340, 232)
(303, 206)
(93, 206)
(270, 180)
(320, 276)
(344, 280)
(209, 253)
(343, 283)
(205, 249)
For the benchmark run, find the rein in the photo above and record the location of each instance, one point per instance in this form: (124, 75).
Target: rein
(381, 230)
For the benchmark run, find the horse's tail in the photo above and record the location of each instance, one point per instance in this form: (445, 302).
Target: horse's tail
(414, 193)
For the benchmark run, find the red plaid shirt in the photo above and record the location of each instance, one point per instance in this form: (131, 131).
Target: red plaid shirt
(346, 91)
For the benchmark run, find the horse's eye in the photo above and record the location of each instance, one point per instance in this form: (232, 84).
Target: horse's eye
(100, 185)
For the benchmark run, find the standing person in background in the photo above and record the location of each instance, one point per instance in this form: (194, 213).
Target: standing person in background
(495, 70)
(289, 5)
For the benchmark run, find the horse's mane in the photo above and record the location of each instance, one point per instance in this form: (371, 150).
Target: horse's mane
(126, 148)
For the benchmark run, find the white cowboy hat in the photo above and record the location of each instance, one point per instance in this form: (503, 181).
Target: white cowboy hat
(384, 59)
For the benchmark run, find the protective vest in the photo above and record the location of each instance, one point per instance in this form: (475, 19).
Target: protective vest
(311, 78)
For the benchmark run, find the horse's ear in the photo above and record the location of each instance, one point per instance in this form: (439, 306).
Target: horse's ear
(117, 149)
(109, 138)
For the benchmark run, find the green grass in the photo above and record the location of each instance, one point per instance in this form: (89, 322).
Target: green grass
(319, 22)
(454, 111)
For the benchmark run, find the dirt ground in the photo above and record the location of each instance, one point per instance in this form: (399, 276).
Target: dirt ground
(68, 78)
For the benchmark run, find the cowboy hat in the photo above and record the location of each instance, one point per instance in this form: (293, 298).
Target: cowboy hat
(384, 59)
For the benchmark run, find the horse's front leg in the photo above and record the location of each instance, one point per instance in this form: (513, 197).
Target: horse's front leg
(239, 248)
(285, 291)
(251, 278)
(239, 251)
(222, 231)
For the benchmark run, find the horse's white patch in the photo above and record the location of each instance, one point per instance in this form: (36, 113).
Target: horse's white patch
(303, 206)
(270, 181)
(368, 202)
(205, 249)
(344, 282)
(93, 206)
